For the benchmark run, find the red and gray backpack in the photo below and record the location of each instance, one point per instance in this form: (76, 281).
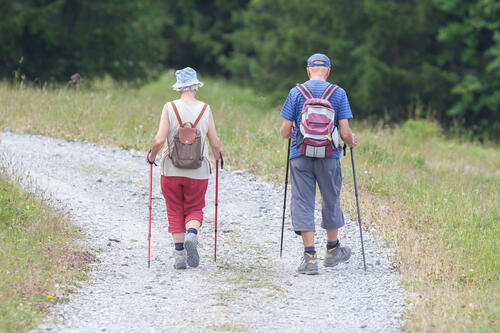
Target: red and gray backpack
(318, 136)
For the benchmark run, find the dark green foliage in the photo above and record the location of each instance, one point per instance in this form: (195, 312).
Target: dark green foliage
(276, 37)
(46, 40)
(471, 56)
(195, 33)
(396, 59)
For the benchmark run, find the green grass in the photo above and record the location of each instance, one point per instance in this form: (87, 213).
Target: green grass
(38, 257)
(435, 199)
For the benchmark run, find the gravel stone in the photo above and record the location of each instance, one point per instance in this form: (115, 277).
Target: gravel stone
(249, 287)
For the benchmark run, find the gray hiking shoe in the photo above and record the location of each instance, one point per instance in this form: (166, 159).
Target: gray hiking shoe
(309, 264)
(337, 255)
(180, 259)
(191, 245)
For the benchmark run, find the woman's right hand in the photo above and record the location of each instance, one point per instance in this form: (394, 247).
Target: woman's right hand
(148, 159)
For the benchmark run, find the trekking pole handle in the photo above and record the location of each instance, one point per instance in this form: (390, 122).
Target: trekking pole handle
(221, 161)
(154, 162)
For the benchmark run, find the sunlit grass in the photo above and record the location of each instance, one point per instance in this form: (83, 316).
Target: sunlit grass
(435, 199)
(39, 260)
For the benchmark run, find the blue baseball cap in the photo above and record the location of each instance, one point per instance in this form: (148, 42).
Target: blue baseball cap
(318, 60)
(186, 77)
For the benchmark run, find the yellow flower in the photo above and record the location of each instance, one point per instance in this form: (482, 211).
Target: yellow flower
(49, 297)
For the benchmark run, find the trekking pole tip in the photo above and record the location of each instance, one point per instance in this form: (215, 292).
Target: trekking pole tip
(148, 264)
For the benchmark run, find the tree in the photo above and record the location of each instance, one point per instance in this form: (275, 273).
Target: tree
(195, 33)
(55, 39)
(471, 56)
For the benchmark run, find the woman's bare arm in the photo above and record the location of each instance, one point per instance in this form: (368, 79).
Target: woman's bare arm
(213, 139)
(161, 136)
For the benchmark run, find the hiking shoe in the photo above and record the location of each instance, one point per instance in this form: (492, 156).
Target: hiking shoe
(180, 259)
(191, 245)
(309, 264)
(337, 255)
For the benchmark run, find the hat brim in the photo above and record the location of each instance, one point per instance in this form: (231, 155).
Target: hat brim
(178, 85)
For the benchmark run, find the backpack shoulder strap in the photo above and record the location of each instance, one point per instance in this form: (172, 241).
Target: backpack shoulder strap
(200, 115)
(304, 91)
(177, 114)
(329, 91)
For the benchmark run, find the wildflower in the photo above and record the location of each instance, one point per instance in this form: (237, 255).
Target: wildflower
(49, 296)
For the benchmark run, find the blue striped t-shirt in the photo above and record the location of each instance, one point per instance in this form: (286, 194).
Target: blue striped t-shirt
(293, 107)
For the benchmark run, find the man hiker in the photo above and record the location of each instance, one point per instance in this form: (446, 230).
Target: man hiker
(184, 127)
(315, 158)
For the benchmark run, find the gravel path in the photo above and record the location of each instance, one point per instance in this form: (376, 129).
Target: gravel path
(249, 289)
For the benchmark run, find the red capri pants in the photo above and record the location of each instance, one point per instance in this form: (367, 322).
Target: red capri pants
(185, 199)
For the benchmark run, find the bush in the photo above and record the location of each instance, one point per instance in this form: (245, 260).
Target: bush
(421, 129)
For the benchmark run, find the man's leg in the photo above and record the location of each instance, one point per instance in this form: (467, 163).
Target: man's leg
(307, 238)
(329, 176)
(302, 209)
(332, 234)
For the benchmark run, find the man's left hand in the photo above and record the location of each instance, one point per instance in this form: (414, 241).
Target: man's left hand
(354, 141)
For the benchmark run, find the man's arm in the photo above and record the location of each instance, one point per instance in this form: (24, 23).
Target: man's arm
(286, 128)
(288, 114)
(346, 134)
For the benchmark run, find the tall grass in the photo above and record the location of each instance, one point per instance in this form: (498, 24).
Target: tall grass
(436, 200)
(433, 198)
(39, 259)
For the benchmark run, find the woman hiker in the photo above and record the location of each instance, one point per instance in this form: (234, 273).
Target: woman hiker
(184, 184)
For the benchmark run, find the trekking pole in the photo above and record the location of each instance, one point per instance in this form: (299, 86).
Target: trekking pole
(284, 199)
(150, 209)
(150, 203)
(216, 200)
(357, 205)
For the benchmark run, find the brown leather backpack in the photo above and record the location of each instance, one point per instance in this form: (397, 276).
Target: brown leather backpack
(186, 152)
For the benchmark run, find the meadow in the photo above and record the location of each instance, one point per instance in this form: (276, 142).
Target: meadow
(41, 259)
(432, 197)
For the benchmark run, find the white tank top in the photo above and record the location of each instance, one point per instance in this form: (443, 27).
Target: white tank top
(188, 113)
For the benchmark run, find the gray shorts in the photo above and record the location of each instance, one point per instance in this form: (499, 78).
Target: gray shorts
(305, 173)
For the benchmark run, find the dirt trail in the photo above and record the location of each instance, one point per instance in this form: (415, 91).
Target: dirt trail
(250, 289)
